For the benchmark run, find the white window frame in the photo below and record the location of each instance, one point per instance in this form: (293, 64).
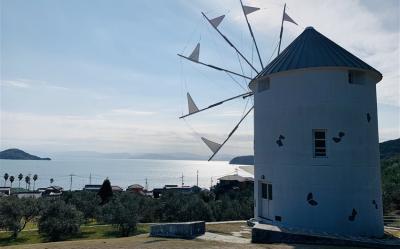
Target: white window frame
(319, 139)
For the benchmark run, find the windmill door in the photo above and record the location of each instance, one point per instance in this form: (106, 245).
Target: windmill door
(265, 198)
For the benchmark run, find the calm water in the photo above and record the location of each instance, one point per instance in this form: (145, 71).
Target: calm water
(121, 172)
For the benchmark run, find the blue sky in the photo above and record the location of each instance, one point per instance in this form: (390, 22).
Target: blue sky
(104, 75)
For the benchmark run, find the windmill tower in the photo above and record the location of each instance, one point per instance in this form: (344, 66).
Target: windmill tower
(316, 149)
(316, 140)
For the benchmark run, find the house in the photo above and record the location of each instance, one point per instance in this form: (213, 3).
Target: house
(92, 187)
(53, 191)
(235, 181)
(157, 192)
(135, 188)
(5, 190)
(28, 194)
(116, 189)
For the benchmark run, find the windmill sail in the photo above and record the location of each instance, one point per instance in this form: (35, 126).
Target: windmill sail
(217, 21)
(248, 9)
(194, 56)
(192, 106)
(287, 18)
(214, 147)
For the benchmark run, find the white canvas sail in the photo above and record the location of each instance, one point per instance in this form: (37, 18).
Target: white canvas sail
(287, 18)
(248, 9)
(192, 106)
(214, 147)
(196, 53)
(217, 21)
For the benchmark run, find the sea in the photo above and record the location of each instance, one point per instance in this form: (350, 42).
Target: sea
(75, 173)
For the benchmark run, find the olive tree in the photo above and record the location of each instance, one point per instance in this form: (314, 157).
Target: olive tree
(59, 220)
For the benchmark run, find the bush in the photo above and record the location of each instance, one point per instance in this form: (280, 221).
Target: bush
(121, 212)
(59, 220)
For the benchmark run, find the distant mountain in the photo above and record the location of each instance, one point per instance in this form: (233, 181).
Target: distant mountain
(16, 154)
(155, 156)
(389, 148)
(242, 160)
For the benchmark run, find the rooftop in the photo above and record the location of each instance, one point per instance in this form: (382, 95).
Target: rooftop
(312, 49)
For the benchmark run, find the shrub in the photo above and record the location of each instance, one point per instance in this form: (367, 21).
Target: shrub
(59, 220)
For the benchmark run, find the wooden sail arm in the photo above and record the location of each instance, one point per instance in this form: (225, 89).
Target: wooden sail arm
(231, 133)
(215, 67)
(243, 95)
(230, 43)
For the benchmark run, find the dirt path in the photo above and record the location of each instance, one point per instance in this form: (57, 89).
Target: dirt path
(145, 242)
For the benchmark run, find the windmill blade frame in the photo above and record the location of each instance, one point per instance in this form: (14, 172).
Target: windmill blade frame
(191, 103)
(215, 67)
(231, 133)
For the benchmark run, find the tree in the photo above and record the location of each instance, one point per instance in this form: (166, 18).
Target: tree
(121, 212)
(105, 192)
(12, 178)
(16, 213)
(51, 181)
(85, 201)
(35, 177)
(5, 179)
(59, 220)
(20, 177)
(27, 182)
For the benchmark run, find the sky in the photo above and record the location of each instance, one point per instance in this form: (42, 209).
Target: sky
(82, 75)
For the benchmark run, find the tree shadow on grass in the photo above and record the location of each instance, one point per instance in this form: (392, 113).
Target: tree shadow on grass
(6, 241)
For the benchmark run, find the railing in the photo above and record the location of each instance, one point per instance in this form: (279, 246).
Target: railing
(391, 220)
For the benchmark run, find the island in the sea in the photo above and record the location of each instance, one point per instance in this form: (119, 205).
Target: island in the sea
(17, 154)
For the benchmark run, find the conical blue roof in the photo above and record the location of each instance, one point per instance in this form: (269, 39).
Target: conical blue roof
(312, 49)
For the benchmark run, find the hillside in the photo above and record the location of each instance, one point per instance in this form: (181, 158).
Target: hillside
(16, 154)
(389, 148)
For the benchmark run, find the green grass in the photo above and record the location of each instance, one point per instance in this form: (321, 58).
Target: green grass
(87, 232)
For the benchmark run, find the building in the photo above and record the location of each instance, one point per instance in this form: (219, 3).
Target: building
(135, 188)
(235, 181)
(51, 191)
(116, 189)
(316, 140)
(157, 192)
(92, 187)
(5, 190)
(28, 194)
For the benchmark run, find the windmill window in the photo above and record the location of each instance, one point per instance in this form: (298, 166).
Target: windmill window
(319, 144)
(355, 77)
(269, 191)
(264, 191)
(263, 84)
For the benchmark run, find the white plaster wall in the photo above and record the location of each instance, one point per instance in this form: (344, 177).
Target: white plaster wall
(349, 177)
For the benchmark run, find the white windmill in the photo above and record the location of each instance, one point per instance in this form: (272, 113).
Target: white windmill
(316, 153)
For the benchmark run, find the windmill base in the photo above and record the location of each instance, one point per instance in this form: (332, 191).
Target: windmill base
(263, 233)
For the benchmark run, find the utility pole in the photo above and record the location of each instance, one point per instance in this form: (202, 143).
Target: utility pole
(197, 178)
(90, 179)
(146, 185)
(70, 182)
(211, 183)
(182, 179)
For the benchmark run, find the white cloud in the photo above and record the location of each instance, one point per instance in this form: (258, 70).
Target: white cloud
(15, 83)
